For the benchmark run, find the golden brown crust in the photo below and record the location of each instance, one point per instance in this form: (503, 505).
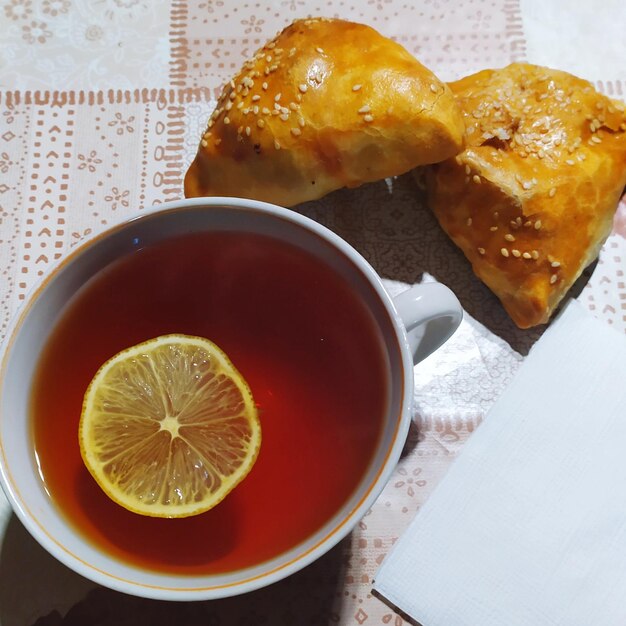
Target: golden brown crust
(326, 104)
(531, 199)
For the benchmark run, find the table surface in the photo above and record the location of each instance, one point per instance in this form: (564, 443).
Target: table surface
(102, 104)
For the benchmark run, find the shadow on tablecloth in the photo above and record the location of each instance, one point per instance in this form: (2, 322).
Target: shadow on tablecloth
(32, 580)
(389, 223)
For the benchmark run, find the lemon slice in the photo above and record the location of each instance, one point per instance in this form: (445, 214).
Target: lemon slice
(169, 427)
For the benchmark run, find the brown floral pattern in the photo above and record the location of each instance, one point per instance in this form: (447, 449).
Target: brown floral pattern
(118, 198)
(5, 162)
(122, 124)
(55, 7)
(18, 9)
(253, 24)
(36, 32)
(89, 161)
(210, 5)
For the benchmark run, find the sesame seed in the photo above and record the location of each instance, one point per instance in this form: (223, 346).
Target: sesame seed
(275, 112)
(433, 88)
(246, 111)
(299, 97)
(365, 109)
(526, 255)
(226, 120)
(232, 95)
(495, 215)
(277, 97)
(277, 106)
(468, 171)
(555, 264)
(218, 141)
(538, 225)
(240, 105)
(514, 225)
(368, 118)
(528, 224)
(569, 161)
(596, 139)
(276, 145)
(553, 279)
(255, 109)
(248, 131)
(319, 50)
(260, 123)
(296, 132)
(518, 220)
(273, 68)
(264, 86)
(516, 253)
(229, 106)
(301, 122)
(527, 184)
(293, 106)
(271, 45)
(493, 229)
(268, 58)
(284, 117)
(240, 130)
(476, 179)
(302, 88)
(356, 87)
(256, 98)
(552, 192)
(265, 111)
(622, 126)
(481, 251)
(534, 254)
(509, 237)
(232, 84)
(469, 221)
(204, 143)
(504, 252)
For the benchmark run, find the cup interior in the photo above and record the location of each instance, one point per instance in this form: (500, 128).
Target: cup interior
(30, 330)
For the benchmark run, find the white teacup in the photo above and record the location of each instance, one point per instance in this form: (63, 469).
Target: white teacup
(414, 323)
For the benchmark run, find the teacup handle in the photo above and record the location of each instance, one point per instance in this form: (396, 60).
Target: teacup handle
(430, 313)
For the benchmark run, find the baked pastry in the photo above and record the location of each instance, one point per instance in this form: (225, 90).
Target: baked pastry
(531, 198)
(326, 104)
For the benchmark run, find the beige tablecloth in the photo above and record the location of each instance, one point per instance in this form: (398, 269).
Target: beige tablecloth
(102, 104)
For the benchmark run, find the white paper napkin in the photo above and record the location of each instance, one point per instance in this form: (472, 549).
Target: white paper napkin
(528, 527)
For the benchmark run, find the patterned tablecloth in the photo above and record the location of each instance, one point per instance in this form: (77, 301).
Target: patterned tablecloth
(101, 107)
